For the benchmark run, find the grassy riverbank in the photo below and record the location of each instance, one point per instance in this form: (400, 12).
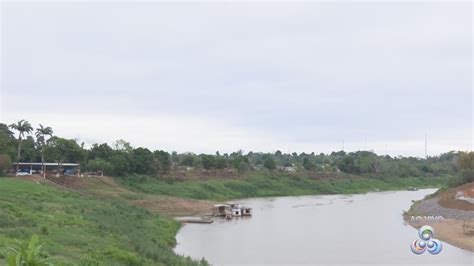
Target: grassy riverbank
(125, 223)
(84, 229)
(268, 185)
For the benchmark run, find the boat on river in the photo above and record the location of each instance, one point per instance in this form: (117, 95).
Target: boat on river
(231, 210)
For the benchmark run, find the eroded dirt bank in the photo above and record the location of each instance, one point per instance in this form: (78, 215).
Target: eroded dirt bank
(455, 207)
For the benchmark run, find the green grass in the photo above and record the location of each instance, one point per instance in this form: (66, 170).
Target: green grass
(265, 185)
(78, 229)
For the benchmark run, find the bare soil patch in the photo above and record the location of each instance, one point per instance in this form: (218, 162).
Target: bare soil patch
(448, 199)
(104, 186)
(175, 206)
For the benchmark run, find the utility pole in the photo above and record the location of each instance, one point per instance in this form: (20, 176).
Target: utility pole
(385, 149)
(426, 146)
(342, 145)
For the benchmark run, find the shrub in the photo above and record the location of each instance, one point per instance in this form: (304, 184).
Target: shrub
(5, 163)
(28, 253)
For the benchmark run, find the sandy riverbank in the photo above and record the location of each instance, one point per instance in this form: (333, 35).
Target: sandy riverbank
(454, 211)
(450, 231)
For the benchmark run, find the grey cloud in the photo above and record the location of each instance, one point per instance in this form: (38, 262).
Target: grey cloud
(307, 72)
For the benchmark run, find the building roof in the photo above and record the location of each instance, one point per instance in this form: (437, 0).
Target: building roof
(222, 205)
(47, 164)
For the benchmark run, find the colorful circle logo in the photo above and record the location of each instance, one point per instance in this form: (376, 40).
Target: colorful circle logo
(427, 242)
(426, 232)
(418, 246)
(434, 246)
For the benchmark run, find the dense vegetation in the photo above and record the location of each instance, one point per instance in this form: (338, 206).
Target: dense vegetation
(466, 170)
(121, 159)
(83, 229)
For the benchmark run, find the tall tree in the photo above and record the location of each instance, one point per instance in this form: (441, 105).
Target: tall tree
(269, 163)
(466, 160)
(64, 150)
(41, 134)
(162, 161)
(22, 127)
(7, 139)
(122, 145)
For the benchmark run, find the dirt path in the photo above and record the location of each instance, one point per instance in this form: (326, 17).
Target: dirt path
(106, 187)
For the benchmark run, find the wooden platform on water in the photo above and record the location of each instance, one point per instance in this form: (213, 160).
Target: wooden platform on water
(195, 220)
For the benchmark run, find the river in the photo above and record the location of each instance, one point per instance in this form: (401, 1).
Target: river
(314, 230)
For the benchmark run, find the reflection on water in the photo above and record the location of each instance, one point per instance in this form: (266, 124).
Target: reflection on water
(334, 229)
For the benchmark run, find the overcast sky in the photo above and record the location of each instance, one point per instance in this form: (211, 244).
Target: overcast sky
(207, 76)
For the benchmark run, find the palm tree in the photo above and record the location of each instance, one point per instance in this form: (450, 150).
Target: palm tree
(22, 127)
(27, 254)
(41, 134)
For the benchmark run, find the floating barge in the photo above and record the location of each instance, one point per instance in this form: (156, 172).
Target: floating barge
(231, 210)
(194, 220)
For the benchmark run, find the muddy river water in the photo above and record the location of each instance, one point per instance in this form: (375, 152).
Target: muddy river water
(317, 230)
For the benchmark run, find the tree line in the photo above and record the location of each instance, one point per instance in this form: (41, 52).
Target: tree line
(20, 142)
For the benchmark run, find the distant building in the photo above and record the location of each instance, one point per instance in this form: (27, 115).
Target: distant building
(289, 169)
(35, 168)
